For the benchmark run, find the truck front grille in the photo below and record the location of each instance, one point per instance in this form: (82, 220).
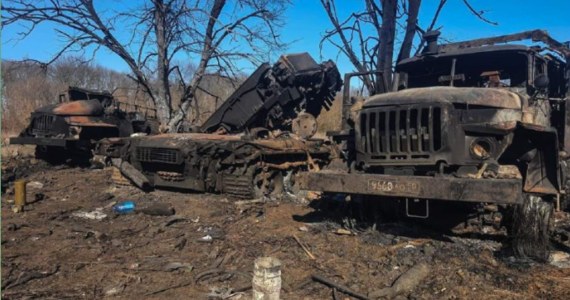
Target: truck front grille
(158, 155)
(404, 132)
(43, 124)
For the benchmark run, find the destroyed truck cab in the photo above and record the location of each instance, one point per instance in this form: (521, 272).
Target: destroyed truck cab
(475, 121)
(251, 145)
(70, 128)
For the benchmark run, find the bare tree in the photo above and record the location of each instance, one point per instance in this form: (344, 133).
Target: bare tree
(213, 32)
(369, 37)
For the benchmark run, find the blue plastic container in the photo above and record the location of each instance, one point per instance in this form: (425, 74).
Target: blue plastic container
(124, 207)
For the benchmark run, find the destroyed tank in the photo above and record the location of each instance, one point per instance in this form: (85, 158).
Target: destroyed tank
(479, 124)
(251, 146)
(69, 129)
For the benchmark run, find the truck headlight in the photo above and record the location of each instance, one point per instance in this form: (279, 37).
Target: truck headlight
(481, 148)
(74, 131)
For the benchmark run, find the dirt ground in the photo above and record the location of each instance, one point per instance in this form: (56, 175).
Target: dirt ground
(206, 250)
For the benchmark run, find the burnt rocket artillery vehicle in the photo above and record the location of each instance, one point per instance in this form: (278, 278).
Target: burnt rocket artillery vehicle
(70, 128)
(251, 146)
(481, 122)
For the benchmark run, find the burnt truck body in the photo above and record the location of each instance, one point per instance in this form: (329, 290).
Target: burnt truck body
(82, 117)
(251, 145)
(475, 121)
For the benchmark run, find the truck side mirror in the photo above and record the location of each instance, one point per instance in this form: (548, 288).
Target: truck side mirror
(541, 82)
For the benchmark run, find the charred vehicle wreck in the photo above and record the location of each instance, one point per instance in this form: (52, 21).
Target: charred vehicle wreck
(70, 128)
(479, 122)
(251, 146)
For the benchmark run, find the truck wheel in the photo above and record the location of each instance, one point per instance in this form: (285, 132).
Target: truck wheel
(50, 154)
(530, 228)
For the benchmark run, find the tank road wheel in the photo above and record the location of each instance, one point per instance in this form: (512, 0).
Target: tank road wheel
(530, 227)
(267, 184)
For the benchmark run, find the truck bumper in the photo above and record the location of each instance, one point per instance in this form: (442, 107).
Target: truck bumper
(500, 191)
(40, 141)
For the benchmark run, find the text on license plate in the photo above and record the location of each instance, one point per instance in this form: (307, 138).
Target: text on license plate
(394, 187)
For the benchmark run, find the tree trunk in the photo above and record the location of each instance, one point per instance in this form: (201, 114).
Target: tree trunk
(207, 52)
(388, 31)
(187, 98)
(163, 101)
(411, 25)
(349, 50)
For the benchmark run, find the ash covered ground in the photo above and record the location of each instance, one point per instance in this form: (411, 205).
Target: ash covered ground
(54, 250)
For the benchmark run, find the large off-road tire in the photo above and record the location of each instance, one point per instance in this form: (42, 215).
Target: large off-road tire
(50, 154)
(530, 228)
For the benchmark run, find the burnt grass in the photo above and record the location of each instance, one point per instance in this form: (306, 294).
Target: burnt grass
(49, 252)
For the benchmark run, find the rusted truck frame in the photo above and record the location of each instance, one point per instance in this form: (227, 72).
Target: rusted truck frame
(476, 122)
(70, 128)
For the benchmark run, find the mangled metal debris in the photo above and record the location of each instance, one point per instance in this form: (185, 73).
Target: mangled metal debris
(246, 148)
(68, 129)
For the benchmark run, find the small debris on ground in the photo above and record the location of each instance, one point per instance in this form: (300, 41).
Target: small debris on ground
(66, 249)
(91, 215)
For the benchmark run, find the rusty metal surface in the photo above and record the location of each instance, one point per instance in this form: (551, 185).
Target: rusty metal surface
(239, 165)
(490, 97)
(88, 121)
(79, 108)
(503, 191)
(193, 136)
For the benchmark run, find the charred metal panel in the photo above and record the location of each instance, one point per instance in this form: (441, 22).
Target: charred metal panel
(40, 141)
(503, 191)
(534, 35)
(160, 155)
(43, 124)
(490, 97)
(241, 106)
(396, 133)
(543, 169)
(76, 93)
(273, 96)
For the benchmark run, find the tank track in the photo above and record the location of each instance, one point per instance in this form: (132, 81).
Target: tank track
(239, 185)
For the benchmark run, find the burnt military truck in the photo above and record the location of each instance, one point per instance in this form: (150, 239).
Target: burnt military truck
(70, 128)
(482, 121)
(251, 146)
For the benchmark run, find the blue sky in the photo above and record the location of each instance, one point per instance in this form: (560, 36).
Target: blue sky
(306, 21)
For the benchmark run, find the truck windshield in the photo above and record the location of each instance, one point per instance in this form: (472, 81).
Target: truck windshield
(485, 69)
